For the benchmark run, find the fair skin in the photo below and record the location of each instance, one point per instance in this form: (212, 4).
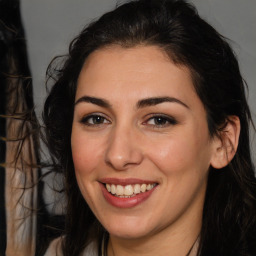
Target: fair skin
(138, 120)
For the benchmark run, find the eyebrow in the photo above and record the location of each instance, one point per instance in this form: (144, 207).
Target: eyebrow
(158, 100)
(140, 104)
(97, 101)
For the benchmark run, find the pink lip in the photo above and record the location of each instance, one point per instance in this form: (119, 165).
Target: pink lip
(125, 202)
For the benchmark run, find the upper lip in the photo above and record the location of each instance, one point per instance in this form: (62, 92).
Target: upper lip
(127, 181)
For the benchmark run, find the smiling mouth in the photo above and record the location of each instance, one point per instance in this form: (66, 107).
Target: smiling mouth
(128, 190)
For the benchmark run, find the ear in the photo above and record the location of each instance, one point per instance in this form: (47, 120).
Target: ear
(226, 143)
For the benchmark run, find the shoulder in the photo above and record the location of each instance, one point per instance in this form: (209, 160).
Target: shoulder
(91, 250)
(54, 249)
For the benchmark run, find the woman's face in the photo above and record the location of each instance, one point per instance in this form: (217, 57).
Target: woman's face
(140, 142)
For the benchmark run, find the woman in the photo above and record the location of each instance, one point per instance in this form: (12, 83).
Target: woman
(148, 121)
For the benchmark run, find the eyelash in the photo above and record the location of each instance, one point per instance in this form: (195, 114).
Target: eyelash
(168, 121)
(91, 120)
(85, 120)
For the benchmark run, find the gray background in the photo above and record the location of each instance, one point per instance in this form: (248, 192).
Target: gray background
(51, 24)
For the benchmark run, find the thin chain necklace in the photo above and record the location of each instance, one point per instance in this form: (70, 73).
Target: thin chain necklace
(104, 251)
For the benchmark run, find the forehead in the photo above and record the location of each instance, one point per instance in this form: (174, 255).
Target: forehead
(145, 70)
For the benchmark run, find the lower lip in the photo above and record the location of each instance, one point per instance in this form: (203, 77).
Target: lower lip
(125, 202)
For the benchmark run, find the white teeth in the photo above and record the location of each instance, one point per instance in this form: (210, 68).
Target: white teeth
(113, 189)
(108, 187)
(136, 189)
(143, 187)
(128, 190)
(149, 186)
(119, 190)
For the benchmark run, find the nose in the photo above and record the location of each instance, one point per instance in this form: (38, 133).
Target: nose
(123, 150)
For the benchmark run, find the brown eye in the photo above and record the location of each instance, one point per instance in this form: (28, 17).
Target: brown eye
(94, 120)
(161, 121)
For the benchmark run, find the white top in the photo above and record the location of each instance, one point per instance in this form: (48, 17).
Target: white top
(55, 249)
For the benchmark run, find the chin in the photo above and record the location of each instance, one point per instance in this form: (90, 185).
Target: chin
(128, 234)
(127, 229)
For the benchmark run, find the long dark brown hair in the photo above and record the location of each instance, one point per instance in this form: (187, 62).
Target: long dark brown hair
(229, 217)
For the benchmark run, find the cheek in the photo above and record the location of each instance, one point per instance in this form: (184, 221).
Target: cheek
(85, 153)
(170, 156)
(180, 154)
(86, 157)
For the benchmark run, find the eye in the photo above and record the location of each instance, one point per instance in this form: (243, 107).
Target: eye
(94, 120)
(160, 121)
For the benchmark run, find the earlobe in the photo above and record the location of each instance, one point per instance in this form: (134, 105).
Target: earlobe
(225, 145)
